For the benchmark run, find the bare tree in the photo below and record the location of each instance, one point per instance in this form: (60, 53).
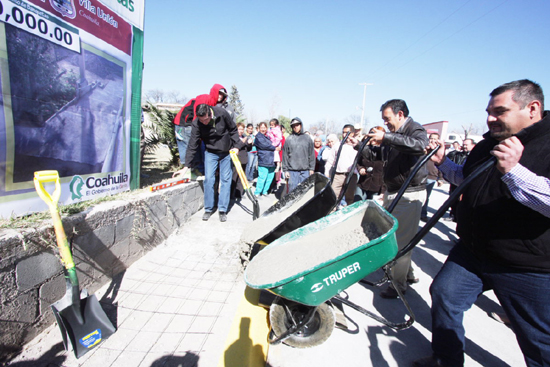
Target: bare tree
(252, 117)
(160, 96)
(274, 105)
(328, 126)
(469, 130)
(353, 119)
(174, 97)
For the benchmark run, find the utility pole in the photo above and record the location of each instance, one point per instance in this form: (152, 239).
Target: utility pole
(364, 96)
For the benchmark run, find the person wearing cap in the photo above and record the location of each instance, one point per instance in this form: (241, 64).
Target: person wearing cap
(298, 155)
(214, 127)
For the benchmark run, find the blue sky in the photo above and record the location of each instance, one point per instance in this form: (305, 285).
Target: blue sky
(307, 58)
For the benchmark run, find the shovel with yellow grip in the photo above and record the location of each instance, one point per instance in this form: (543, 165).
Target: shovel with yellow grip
(82, 321)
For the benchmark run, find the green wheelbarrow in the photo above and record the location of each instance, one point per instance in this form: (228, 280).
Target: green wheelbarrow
(309, 267)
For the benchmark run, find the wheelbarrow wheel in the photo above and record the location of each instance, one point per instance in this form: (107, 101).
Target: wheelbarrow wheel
(284, 314)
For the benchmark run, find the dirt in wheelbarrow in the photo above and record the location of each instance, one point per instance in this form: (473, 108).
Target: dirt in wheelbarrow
(263, 225)
(283, 261)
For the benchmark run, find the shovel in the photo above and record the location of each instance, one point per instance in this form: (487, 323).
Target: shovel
(82, 321)
(246, 186)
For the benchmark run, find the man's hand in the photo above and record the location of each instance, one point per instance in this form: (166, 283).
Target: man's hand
(352, 141)
(234, 150)
(362, 171)
(181, 172)
(508, 153)
(311, 172)
(376, 137)
(287, 175)
(439, 157)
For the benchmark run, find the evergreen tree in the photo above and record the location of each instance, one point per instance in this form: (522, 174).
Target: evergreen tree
(234, 101)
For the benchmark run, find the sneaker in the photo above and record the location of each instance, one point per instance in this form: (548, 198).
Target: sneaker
(390, 293)
(223, 217)
(206, 216)
(428, 362)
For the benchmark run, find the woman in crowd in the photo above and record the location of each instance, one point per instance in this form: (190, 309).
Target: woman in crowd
(237, 190)
(319, 147)
(266, 164)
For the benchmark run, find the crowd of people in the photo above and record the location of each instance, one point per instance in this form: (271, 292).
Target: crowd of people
(503, 217)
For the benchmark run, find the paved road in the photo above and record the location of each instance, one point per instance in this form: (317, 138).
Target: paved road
(178, 305)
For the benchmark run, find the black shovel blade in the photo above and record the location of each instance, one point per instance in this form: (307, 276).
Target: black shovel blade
(83, 327)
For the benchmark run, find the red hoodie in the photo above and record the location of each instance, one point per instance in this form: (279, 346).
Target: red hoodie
(215, 92)
(185, 112)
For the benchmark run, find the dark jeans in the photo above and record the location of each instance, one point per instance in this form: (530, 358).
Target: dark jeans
(429, 187)
(524, 296)
(251, 166)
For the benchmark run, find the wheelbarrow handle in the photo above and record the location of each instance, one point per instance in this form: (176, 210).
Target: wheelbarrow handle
(41, 177)
(338, 157)
(441, 211)
(414, 171)
(350, 173)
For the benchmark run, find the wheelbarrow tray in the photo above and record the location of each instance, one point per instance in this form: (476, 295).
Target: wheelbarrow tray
(321, 259)
(312, 199)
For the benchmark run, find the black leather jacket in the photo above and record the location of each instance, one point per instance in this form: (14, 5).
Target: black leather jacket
(400, 151)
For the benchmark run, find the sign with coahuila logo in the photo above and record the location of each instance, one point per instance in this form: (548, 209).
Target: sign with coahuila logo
(67, 77)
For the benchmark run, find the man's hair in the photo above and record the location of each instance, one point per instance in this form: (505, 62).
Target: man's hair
(203, 110)
(332, 137)
(350, 127)
(262, 123)
(396, 105)
(472, 140)
(250, 125)
(456, 142)
(240, 124)
(275, 121)
(438, 136)
(524, 92)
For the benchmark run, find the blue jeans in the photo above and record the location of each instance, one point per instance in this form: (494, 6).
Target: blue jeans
(429, 187)
(211, 162)
(251, 166)
(182, 138)
(265, 177)
(525, 297)
(296, 177)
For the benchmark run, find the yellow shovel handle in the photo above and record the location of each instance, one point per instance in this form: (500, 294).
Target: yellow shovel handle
(239, 168)
(41, 177)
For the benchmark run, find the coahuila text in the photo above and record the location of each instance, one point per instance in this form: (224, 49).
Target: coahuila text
(92, 182)
(340, 274)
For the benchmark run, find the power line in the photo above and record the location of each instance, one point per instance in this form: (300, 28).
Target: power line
(418, 40)
(445, 39)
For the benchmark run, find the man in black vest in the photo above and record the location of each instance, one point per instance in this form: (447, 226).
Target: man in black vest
(503, 221)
